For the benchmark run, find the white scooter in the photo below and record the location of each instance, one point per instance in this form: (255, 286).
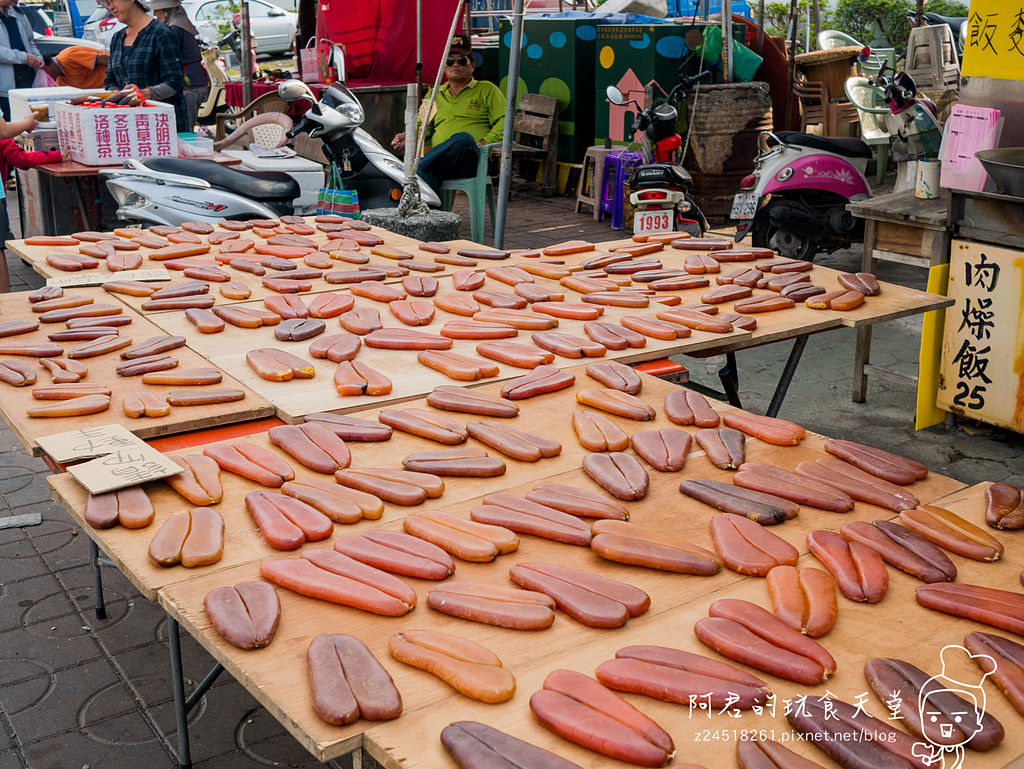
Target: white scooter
(175, 190)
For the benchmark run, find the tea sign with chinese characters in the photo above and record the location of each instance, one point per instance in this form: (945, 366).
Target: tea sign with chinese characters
(982, 372)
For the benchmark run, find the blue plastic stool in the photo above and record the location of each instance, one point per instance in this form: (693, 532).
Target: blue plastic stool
(613, 185)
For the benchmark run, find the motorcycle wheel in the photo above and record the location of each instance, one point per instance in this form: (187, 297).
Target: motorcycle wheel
(765, 234)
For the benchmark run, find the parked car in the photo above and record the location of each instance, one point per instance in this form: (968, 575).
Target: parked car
(100, 26)
(273, 28)
(38, 17)
(51, 45)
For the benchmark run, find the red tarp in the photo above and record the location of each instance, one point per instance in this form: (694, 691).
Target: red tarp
(380, 37)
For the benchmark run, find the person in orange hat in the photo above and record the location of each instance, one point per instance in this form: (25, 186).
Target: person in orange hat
(469, 113)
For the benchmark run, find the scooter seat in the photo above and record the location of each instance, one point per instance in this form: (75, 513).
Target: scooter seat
(938, 18)
(256, 185)
(847, 146)
(661, 175)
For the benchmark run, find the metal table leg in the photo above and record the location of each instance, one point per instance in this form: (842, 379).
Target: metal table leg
(97, 580)
(787, 376)
(184, 705)
(729, 376)
(178, 685)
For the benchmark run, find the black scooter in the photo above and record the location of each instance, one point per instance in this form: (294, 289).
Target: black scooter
(660, 186)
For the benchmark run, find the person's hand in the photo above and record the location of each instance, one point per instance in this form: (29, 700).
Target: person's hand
(398, 143)
(143, 91)
(65, 154)
(33, 61)
(481, 143)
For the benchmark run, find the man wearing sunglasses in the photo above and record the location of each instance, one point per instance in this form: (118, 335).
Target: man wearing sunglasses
(468, 114)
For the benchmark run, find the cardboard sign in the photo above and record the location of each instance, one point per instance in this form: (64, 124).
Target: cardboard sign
(77, 279)
(981, 375)
(147, 274)
(87, 442)
(124, 467)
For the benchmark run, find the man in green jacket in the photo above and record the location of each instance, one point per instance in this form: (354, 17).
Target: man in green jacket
(469, 113)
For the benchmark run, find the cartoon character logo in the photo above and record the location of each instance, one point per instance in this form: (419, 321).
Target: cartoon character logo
(952, 711)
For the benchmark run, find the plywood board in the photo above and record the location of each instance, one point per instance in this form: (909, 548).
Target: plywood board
(258, 291)
(549, 414)
(101, 372)
(277, 675)
(35, 256)
(410, 380)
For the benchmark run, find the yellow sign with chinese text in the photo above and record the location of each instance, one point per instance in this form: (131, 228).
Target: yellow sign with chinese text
(995, 40)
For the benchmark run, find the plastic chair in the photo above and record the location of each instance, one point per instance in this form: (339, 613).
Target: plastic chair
(832, 38)
(876, 59)
(267, 130)
(613, 185)
(588, 190)
(477, 189)
(932, 59)
(864, 97)
(268, 102)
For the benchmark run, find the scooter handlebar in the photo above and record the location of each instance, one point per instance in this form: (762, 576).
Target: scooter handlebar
(303, 126)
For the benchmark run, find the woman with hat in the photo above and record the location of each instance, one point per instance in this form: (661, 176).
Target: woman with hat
(197, 82)
(145, 55)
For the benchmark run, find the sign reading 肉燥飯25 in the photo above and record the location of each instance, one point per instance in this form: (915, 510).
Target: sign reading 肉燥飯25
(982, 371)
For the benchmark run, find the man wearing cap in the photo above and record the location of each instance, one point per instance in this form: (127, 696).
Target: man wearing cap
(468, 114)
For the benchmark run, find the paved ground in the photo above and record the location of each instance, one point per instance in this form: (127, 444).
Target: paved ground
(77, 692)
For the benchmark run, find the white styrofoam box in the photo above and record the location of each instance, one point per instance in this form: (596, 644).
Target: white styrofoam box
(99, 137)
(22, 98)
(308, 173)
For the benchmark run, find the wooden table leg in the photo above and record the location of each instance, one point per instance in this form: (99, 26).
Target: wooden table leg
(862, 356)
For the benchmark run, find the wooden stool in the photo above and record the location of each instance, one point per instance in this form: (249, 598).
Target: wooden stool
(589, 188)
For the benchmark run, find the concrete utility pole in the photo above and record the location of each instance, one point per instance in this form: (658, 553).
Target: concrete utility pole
(246, 45)
(505, 179)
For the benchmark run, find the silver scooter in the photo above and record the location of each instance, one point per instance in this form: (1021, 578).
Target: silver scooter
(175, 190)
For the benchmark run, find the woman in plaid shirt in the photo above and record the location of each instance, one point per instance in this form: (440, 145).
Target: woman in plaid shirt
(145, 54)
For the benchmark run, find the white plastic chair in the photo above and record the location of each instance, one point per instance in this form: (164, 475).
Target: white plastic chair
(832, 38)
(876, 59)
(864, 96)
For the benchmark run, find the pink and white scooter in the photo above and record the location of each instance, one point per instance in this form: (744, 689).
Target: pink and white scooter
(795, 200)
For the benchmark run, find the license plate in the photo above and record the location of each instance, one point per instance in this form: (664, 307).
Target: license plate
(646, 222)
(744, 205)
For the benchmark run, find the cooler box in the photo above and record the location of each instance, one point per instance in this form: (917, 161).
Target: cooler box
(308, 173)
(23, 98)
(101, 137)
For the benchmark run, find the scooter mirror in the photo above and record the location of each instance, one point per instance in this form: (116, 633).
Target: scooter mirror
(865, 54)
(293, 90)
(694, 39)
(614, 95)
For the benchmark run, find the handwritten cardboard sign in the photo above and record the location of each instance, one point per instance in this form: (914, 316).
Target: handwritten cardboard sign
(87, 442)
(121, 459)
(77, 279)
(122, 468)
(146, 274)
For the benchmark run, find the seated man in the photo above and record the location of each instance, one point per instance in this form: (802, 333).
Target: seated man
(77, 66)
(469, 113)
